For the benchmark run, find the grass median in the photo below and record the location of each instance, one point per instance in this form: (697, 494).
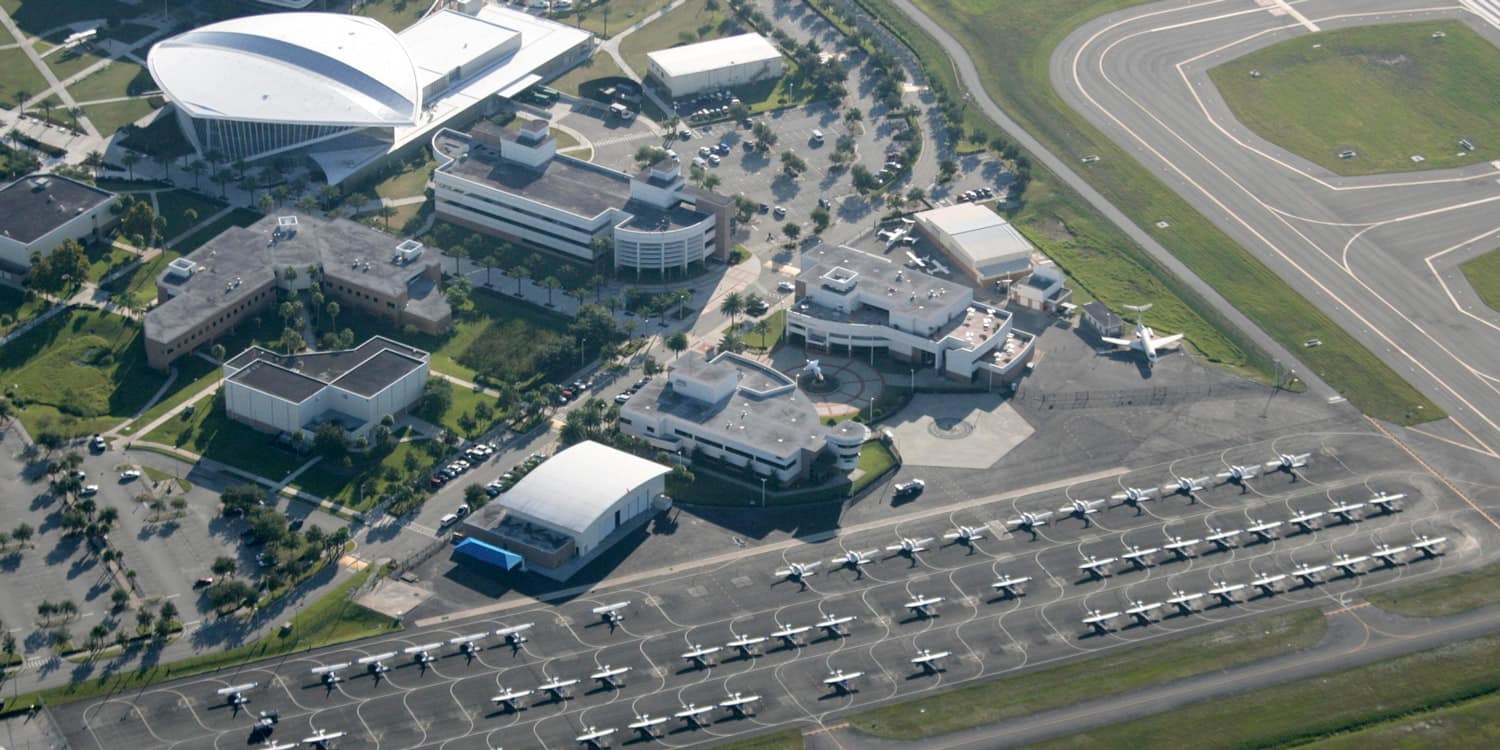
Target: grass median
(1448, 595)
(1010, 697)
(1017, 45)
(786, 739)
(1483, 274)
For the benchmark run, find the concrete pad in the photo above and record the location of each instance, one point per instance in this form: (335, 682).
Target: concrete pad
(961, 431)
(393, 598)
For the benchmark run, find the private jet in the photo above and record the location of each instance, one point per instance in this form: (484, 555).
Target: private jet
(909, 546)
(1225, 592)
(1347, 512)
(746, 645)
(1389, 555)
(929, 661)
(1351, 565)
(1029, 521)
(964, 535)
(646, 727)
(329, 674)
(693, 715)
(1239, 475)
(509, 699)
(1141, 611)
(739, 705)
(699, 656)
(1140, 558)
(234, 696)
(592, 737)
(1266, 530)
(1308, 522)
(467, 644)
(1097, 567)
(1386, 503)
(834, 626)
(1145, 340)
(1429, 546)
(609, 677)
(558, 688)
(611, 613)
(1081, 508)
(797, 571)
(1010, 585)
(1187, 486)
(1311, 575)
(1182, 548)
(1220, 538)
(922, 605)
(788, 635)
(375, 664)
(1134, 496)
(1099, 621)
(1269, 584)
(515, 635)
(422, 655)
(852, 559)
(323, 739)
(1288, 462)
(1183, 601)
(839, 680)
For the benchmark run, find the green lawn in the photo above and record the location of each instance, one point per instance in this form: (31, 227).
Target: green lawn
(80, 372)
(1465, 725)
(137, 289)
(333, 618)
(622, 14)
(1444, 596)
(687, 23)
(407, 183)
(395, 14)
(105, 258)
(66, 63)
(209, 432)
(108, 118)
(17, 74)
(1386, 92)
(601, 65)
(1317, 708)
(338, 486)
(786, 739)
(1098, 676)
(1483, 274)
(119, 78)
(193, 375)
(15, 309)
(1016, 75)
(173, 203)
(239, 217)
(775, 327)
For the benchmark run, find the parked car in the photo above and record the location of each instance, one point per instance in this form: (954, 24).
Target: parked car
(91, 489)
(438, 480)
(462, 510)
(129, 475)
(203, 582)
(622, 398)
(447, 520)
(910, 488)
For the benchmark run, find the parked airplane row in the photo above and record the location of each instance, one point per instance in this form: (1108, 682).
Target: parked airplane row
(648, 727)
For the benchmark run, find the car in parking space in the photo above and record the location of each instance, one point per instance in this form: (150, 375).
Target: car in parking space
(447, 520)
(296, 524)
(129, 475)
(438, 480)
(823, 203)
(89, 489)
(203, 582)
(265, 560)
(639, 384)
(779, 212)
(494, 488)
(462, 510)
(704, 151)
(723, 149)
(910, 488)
(713, 160)
(622, 398)
(786, 287)
(97, 444)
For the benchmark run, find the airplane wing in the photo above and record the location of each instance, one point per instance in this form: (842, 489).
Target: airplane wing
(1121, 342)
(1167, 341)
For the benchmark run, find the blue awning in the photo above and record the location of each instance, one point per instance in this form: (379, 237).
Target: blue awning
(489, 553)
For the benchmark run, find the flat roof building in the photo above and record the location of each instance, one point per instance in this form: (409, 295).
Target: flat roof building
(715, 64)
(512, 183)
(297, 393)
(572, 507)
(980, 241)
(39, 212)
(848, 299)
(203, 295)
(344, 89)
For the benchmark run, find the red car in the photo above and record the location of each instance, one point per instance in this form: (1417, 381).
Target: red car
(438, 480)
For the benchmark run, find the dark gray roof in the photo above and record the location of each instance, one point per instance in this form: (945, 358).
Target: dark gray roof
(1102, 314)
(365, 370)
(39, 203)
(646, 217)
(280, 382)
(377, 373)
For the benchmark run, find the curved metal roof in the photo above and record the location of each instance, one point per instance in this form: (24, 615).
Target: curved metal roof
(304, 68)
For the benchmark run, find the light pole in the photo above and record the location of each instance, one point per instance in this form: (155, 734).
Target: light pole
(762, 492)
(872, 408)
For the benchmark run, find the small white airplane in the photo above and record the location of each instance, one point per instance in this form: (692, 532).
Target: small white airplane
(789, 634)
(797, 571)
(422, 654)
(693, 715)
(1347, 512)
(739, 705)
(610, 677)
(1386, 503)
(234, 695)
(1145, 340)
(1238, 474)
(909, 546)
(746, 645)
(646, 726)
(1389, 555)
(839, 680)
(834, 626)
(1081, 508)
(1134, 496)
(323, 739)
(1311, 575)
(1099, 621)
(376, 664)
(929, 661)
(558, 688)
(922, 605)
(1308, 522)
(1222, 539)
(1140, 558)
(1351, 565)
(852, 559)
(1226, 591)
(1029, 521)
(1141, 611)
(1288, 462)
(1269, 584)
(1098, 567)
(1183, 601)
(514, 635)
(468, 644)
(814, 368)
(593, 737)
(509, 698)
(330, 674)
(1189, 486)
(1266, 530)
(1182, 548)
(699, 655)
(1010, 585)
(1429, 546)
(965, 535)
(611, 613)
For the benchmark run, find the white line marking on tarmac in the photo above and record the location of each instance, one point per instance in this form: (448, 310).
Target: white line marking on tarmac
(1282, 7)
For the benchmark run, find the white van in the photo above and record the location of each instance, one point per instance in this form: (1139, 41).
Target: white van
(700, 162)
(817, 137)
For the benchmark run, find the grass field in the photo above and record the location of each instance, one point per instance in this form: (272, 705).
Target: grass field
(1483, 274)
(1079, 681)
(105, 258)
(622, 14)
(343, 487)
(17, 74)
(13, 303)
(137, 289)
(239, 217)
(1464, 725)
(1443, 596)
(786, 739)
(209, 432)
(193, 375)
(1386, 92)
(111, 82)
(689, 22)
(407, 183)
(172, 204)
(395, 14)
(597, 66)
(1015, 73)
(79, 373)
(108, 118)
(1313, 709)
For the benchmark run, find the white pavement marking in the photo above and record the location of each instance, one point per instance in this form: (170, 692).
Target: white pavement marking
(1283, 8)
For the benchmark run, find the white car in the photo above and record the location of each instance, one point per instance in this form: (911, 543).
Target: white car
(912, 487)
(447, 520)
(92, 489)
(129, 475)
(786, 287)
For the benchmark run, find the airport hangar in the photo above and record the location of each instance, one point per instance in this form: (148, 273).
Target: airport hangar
(344, 90)
(715, 64)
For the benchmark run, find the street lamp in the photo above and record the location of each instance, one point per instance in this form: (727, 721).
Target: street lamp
(762, 492)
(872, 408)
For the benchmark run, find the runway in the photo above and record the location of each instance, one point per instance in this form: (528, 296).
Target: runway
(447, 703)
(1378, 253)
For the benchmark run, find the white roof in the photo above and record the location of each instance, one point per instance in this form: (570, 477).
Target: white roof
(316, 68)
(714, 54)
(448, 39)
(980, 238)
(574, 488)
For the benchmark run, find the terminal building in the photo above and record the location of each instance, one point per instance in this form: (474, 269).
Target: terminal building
(740, 414)
(343, 89)
(568, 510)
(715, 64)
(39, 212)
(512, 183)
(983, 244)
(354, 388)
(847, 300)
(234, 276)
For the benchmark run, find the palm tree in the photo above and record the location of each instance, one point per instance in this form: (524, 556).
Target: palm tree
(458, 252)
(333, 314)
(678, 343)
(732, 305)
(520, 272)
(550, 283)
(385, 213)
(21, 96)
(94, 160)
(130, 159)
(488, 264)
(762, 329)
